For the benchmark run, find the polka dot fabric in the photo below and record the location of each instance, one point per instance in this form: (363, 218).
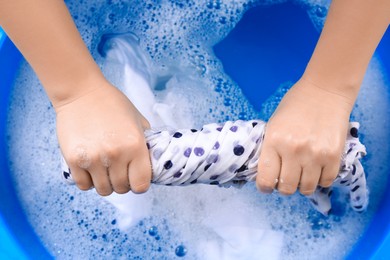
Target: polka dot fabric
(227, 155)
(217, 154)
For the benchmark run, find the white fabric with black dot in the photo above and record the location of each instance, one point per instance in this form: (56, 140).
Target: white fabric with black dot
(227, 155)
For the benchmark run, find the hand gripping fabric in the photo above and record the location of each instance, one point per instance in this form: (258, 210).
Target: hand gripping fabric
(227, 155)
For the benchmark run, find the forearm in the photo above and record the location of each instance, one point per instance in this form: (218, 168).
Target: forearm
(45, 33)
(349, 38)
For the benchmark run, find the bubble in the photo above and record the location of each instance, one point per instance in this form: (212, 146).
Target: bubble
(320, 11)
(153, 231)
(222, 20)
(177, 39)
(180, 251)
(227, 101)
(201, 69)
(243, 116)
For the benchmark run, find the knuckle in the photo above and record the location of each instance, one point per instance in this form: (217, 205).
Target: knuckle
(326, 182)
(328, 178)
(122, 190)
(83, 185)
(140, 188)
(90, 162)
(73, 159)
(286, 190)
(134, 141)
(308, 184)
(275, 138)
(263, 165)
(104, 191)
(264, 184)
(334, 155)
(80, 157)
(272, 137)
(296, 147)
(328, 153)
(112, 152)
(121, 185)
(306, 192)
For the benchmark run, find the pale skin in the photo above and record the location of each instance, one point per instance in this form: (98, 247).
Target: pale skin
(306, 135)
(100, 132)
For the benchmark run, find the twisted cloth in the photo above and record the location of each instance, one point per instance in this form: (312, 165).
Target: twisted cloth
(227, 155)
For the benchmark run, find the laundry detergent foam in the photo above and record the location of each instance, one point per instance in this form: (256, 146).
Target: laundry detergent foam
(161, 53)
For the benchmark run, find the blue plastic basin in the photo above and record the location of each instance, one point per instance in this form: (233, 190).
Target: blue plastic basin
(290, 45)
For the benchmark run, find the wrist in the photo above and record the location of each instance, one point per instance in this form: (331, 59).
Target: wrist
(72, 88)
(344, 86)
(317, 95)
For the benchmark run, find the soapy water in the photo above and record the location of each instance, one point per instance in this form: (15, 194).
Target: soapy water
(173, 40)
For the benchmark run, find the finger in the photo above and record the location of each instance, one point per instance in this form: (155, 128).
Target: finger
(140, 173)
(268, 170)
(101, 180)
(289, 176)
(118, 173)
(329, 174)
(82, 178)
(145, 123)
(309, 179)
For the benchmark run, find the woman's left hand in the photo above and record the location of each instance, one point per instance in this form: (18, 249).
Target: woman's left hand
(304, 140)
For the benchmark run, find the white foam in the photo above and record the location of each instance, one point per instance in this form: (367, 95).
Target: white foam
(176, 39)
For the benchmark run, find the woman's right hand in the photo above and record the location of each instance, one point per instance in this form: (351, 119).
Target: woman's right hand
(101, 137)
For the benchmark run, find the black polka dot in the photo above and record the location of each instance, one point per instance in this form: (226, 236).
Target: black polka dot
(177, 175)
(66, 175)
(177, 135)
(234, 128)
(254, 124)
(168, 165)
(353, 169)
(354, 132)
(214, 177)
(214, 183)
(194, 181)
(187, 152)
(148, 145)
(238, 150)
(242, 168)
(194, 130)
(198, 151)
(233, 167)
(355, 188)
(207, 167)
(314, 201)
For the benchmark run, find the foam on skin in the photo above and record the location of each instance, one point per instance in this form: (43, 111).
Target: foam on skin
(175, 39)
